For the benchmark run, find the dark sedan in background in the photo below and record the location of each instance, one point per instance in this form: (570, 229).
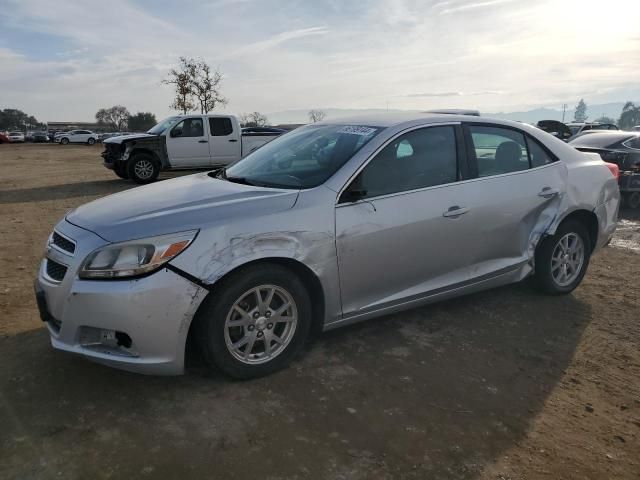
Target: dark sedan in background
(623, 149)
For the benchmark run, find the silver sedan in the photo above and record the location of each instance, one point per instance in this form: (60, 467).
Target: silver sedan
(330, 224)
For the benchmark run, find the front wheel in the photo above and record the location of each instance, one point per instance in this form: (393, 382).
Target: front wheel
(562, 259)
(64, 141)
(255, 322)
(632, 200)
(143, 168)
(120, 169)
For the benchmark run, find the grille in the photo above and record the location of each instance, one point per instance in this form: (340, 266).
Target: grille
(62, 243)
(55, 270)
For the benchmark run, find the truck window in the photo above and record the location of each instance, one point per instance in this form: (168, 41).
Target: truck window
(190, 127)
(220, 126)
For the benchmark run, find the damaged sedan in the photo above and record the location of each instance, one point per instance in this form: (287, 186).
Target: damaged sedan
(327, 225)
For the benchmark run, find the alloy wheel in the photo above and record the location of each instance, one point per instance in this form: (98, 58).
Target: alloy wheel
(143, 169)
(260, 324)
(567, 259)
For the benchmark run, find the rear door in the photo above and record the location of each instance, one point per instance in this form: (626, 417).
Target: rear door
(225, 146)
(513, 198)
(401, 224)
(188, 144)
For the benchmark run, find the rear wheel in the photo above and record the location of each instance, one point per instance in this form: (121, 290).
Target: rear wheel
(562, 259)
(64, 141)
(255, 322)
(91, 141)
(143, 168)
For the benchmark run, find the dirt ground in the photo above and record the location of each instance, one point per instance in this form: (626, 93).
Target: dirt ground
(505, 384)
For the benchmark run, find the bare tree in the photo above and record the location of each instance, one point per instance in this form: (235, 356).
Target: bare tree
(206, 85)
(255, 119)
(316, 116)
(116, 117)
(182, 80)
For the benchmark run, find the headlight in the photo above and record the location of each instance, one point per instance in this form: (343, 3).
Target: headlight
(136, 257)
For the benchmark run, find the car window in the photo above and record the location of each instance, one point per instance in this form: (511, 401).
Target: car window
(633, 143)
(418, 159)
(190, 127)
(220, 126)
(498, 150)
(539, 156)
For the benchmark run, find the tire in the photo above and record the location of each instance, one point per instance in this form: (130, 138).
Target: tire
(91, 141)
(552, 265)
(120, 169)
(215, 337)
(64, 141)
(142, 168)
(632, 200)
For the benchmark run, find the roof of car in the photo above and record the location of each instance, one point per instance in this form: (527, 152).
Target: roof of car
(390, 119)
(603, 138)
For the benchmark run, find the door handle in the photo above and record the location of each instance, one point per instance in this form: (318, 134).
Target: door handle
(455, 211)
(548, 192)
(233, 140)
(202, 141)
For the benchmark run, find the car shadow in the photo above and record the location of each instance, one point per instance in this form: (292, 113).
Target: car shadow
(436, 392)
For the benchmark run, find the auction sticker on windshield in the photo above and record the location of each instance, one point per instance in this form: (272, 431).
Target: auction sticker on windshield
(357, 130)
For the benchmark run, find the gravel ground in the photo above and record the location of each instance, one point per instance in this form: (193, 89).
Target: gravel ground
(505, 384)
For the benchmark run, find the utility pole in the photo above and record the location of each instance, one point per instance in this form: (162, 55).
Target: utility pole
(564, 111)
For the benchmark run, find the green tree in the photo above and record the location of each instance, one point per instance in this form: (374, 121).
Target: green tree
(116, 117)
(182, 80)
(581, 112)
(142, 121)
(13, 119)
(630, 116)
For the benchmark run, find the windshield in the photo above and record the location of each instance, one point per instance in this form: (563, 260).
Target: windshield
(163, 125)
(303, 158)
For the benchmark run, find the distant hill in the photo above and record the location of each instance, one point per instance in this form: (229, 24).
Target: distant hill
(530, 116)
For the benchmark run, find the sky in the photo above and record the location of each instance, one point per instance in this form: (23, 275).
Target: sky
(62, 61)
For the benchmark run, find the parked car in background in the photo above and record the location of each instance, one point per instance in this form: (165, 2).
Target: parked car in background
(40, 137)
(29, 136)
(636, 128)
(77, 136)
(4, 138)
(16, 137)
(181, 142)
(325, 226)
(623, 149)
(555, 128)
(267, 130)
(579, 127)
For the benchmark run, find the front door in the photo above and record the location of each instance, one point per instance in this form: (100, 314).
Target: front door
(188, 144)
(401, 226)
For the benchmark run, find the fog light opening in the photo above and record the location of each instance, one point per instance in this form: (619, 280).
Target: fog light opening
(123, 340)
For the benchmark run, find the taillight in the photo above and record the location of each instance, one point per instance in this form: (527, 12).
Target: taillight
(614, 169)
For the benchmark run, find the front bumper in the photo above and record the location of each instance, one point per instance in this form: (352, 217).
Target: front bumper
(92, 317)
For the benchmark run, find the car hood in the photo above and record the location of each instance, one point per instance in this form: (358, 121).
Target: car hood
(169, 206)
(124, 138)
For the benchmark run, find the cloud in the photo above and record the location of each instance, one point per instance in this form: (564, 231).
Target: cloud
(451, 94)
(453, 7)
(280, 38)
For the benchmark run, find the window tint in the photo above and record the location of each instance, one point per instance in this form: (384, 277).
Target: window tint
(220, 127)
(499, 150)
(418, 159)
(539, 155)
(633, 143)
(190, 127)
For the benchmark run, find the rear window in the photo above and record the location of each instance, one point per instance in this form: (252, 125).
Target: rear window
(597, 140)
(220, 126)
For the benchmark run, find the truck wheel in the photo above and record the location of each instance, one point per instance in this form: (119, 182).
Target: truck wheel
(120, 169)
(255, 322)
(632, 200)
(143, 168)
(64, 141)
(562, 259)
(91, 141)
